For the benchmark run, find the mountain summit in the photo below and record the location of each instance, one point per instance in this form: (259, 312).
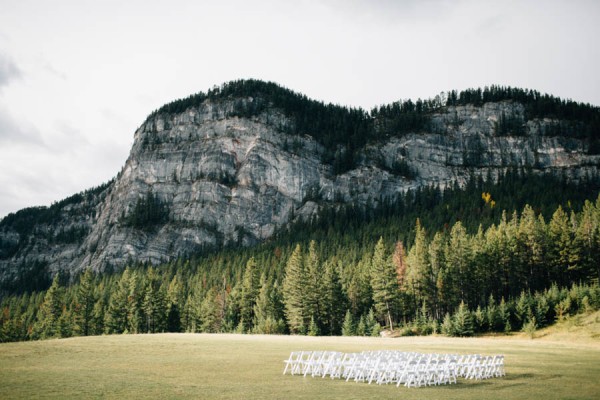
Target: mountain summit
(236, 164)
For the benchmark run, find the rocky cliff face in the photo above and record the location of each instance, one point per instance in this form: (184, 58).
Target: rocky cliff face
(226, 179)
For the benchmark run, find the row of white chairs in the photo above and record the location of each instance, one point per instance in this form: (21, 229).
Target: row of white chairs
(410, 369)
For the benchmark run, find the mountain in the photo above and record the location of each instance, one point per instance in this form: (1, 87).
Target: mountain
(236, 164)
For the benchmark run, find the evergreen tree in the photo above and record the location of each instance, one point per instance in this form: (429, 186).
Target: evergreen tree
(98, 315)
(437, 265)
(418, 266)
(85, 301)
(479, 286)
(230, 299)
(134, 303)
(361, 328)
(249, 294)
(189, 319)
(293, 292)
(65, 323)
(493, 317)
(348, 328)
(50, 312)
(153, 307)
(463, 324)
(313, 328)
(587, 237)
(209, 312)
(541, 310)
(563, 253)
(530, 327)
(458, 257)
(531, 247)
(174, 303)
(480, 320)
(314, 289)
(359, 290)
(504, 315)
(399, 260)
(522, 310)
(370, 322)
(448, 326)
(376, 329)
(334, 299)
(268, 310)
(385, 284)
(116, 315)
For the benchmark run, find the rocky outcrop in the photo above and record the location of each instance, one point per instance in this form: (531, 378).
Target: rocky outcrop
(226, 179)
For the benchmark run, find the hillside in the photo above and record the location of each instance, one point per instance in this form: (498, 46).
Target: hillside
(581, 328)
(235, 165)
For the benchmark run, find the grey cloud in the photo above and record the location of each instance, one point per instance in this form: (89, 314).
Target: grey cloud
(25, 188)
(13, 132)
(9, 71)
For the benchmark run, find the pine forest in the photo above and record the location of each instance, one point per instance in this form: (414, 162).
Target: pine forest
(511, 255)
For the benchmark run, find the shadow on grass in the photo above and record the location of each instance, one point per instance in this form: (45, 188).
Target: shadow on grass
(493, 384)
(513, 377)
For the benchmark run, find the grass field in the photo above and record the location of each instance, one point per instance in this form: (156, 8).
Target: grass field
(199, 366)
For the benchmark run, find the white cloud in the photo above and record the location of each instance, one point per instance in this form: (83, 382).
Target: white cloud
(87, 73)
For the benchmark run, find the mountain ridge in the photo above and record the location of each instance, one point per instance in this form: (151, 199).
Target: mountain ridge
(237, 164)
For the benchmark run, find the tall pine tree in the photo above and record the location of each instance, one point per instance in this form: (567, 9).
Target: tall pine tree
(385, 284)
(85, 302)
(293, 292)
(249, 294)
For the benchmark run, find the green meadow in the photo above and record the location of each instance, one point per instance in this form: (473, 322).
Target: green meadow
(229, 366)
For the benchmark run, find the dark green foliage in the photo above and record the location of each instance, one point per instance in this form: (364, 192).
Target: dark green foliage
(84, 304)
(385, 285)
(25, 220)
(73, 234)
(293, 292)
(250, 288)
(268, 310)
(37, 226)
(348, 328)
(401, 168)
(510, 126)
(174, 305)
(537, 105)
(334, 299)
(153, 304)
(313, 328)
(148, 212)
(401, 117)
(32, 277)
(48, 319)
(117, 316)
(462, 321)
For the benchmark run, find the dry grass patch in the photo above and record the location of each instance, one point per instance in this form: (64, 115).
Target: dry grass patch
(197, 366)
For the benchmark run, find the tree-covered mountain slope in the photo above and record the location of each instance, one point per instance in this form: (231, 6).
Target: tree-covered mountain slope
(236, 165)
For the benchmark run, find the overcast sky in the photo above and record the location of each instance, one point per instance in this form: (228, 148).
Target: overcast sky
(78, 77)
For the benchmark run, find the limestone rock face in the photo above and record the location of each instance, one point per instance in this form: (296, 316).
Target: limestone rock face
(229, 179)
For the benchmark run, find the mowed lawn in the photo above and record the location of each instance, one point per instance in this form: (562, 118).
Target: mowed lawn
(202, 366)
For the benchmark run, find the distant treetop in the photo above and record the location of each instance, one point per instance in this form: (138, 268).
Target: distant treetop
(344, 130)
(538, 105)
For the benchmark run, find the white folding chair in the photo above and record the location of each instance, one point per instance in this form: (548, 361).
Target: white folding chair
(292, 361)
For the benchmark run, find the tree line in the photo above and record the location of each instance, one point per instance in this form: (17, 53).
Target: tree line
(520, 272)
